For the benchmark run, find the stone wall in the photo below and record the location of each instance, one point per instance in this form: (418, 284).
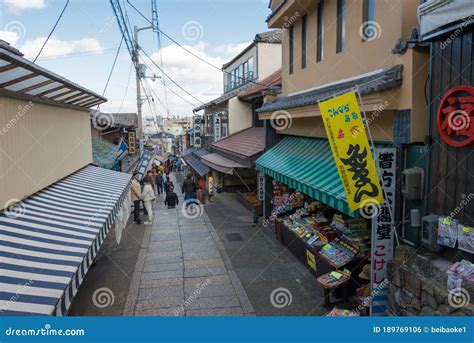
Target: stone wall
(418, 286)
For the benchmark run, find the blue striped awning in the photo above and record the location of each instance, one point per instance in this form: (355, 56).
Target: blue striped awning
(49, 240)
(306, 164)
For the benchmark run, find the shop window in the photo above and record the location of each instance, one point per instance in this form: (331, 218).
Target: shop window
(368, 18)
(341, 26)
(291, 52)
(303, 42)
(320, 32)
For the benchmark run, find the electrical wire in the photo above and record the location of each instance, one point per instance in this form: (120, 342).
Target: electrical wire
(128, 84)
(113, 67)
(52, 30)
(158, 36)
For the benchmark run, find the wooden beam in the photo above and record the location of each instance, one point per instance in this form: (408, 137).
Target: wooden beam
(38, 85)
(84, 101)
(62, 94)
(52, 90)
(73, 97)
(92, 103)
(8, 67)
(20, 79)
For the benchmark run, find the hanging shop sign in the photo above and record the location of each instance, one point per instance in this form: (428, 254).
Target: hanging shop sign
(143, 163)
(455, 115)
(132, 142)
(210, 182)
(261, 186)
(383, 230)
(197, 130)
(350, 147)
(217, 127)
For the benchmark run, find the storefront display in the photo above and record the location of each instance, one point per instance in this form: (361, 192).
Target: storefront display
(338, 253)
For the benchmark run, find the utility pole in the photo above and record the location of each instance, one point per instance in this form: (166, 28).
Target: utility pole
(139, 92)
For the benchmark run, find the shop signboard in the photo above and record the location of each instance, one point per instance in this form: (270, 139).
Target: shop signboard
(143, 163)
(132, 143)
(383, 230)
(351, 150)
(210, 182)
(261, 186)
(311, 259)
(197, 130)
(217, 127)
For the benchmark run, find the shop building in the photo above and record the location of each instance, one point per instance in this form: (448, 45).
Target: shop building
(56, 209)
(330, 48)
(228, 114)
(430, 273)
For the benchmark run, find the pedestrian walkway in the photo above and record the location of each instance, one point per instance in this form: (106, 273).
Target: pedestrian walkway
(181, 270)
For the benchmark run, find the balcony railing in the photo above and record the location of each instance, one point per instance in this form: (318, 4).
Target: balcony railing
(241, 80)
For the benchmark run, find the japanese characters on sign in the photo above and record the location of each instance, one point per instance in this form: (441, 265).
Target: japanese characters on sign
(382, 228)
(455, 115)
(132, 143)
(217, 127)
(197, 129)
(143, 163)
(261, 186)
(351, 150)
(210, 181)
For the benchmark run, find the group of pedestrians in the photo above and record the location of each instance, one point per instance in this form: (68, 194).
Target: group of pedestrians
(157, 181)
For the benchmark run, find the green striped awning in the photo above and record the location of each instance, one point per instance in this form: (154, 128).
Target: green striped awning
(306, 164)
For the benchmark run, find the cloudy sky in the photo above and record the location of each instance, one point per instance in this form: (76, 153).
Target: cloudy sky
(86, 40)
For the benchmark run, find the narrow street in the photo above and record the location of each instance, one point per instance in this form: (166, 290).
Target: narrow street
(212, 262)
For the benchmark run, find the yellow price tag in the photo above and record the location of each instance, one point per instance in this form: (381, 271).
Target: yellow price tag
(447, 221)
(466, 230)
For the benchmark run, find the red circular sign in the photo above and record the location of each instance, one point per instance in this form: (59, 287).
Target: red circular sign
(455, 115)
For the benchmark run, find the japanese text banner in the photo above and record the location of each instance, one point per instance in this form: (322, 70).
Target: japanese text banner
(351, 150)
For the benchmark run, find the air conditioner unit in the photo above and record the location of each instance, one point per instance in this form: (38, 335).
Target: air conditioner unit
(429, 233)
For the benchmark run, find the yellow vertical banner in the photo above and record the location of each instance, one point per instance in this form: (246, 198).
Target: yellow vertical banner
(351, 150)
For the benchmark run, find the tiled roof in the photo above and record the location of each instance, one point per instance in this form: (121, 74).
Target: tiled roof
(246, 143)
(270, 81)
(366, 83)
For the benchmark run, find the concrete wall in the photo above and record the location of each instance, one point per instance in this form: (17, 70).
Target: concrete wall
(240, 115)
(39, 144)
(269, 59)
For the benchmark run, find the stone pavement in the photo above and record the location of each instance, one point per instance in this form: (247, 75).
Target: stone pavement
(182, 270)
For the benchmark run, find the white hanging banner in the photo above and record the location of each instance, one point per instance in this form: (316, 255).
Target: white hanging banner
(383, 230)
(217, 127)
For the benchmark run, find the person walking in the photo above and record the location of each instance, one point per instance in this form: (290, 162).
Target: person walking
(136, 195)
(159, 182)
(171, 199)
(148, 196)
(168, 184)
(189, 189)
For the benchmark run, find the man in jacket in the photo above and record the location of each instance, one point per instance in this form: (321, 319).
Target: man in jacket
(136, 197)
(159, 182)
(189, 189)
(171, 198)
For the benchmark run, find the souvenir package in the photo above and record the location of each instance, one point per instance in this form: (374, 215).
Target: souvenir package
(336, 312)
(460, 272)
(447, 232)
(466, 238)
(334, 279)
(338, 252)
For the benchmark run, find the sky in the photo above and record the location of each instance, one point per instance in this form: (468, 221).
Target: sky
(85, 42)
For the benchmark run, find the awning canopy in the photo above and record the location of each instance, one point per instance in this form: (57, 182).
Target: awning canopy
(49, 240)
(306, 164)
(104, 153)
(196, 164)
(221, 163)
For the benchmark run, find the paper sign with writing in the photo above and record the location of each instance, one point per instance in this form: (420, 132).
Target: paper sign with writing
(310, 258)
(351, 150)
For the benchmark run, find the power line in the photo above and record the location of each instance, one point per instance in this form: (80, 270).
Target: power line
(189, 51)
(113, 67)
(50, 33)
(126, 89)
(169, 77)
